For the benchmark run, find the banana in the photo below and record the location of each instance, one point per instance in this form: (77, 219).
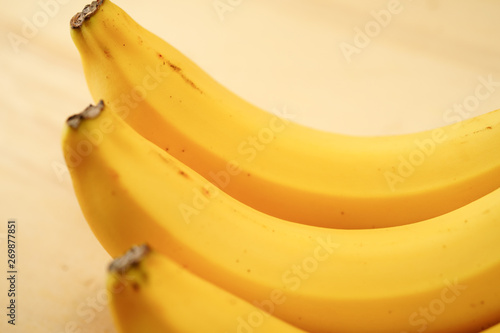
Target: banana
(151, 293)
(437, 275)
(269, 161)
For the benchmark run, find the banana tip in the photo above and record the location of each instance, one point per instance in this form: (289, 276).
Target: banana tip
(89, 10)
(130, 259)
(90, 112)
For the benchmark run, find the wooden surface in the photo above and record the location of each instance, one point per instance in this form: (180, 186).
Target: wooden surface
(429, 57)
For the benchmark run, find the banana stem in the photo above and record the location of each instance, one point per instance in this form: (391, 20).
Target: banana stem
(89, 10)
(90, 112)
(130, 259)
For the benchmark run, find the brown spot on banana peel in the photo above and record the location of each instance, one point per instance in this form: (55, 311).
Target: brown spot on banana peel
(205, 192)
(107, 53)
(178, 70)
(90, 112)
(191, 83)
(183, 174)
(80, 17)
(166, 160)
(484, 129)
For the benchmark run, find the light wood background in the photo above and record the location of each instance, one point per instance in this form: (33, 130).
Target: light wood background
(426, 60)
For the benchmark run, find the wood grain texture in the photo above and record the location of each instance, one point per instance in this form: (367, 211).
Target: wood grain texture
(277, 54)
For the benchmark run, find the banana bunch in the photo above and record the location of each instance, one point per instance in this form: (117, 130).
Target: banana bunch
(437, 275)
(242, 235)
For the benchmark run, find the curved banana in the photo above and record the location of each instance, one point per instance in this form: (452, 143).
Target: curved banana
(268, 161)
(150, 293)
(438, 275)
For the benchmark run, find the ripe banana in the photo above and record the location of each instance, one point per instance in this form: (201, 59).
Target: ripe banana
(438, 275)
(150, 293)
(268, 161)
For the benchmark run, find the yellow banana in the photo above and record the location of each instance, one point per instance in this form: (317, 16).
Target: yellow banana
(268, 161)
(438, 275)
(150, 293)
